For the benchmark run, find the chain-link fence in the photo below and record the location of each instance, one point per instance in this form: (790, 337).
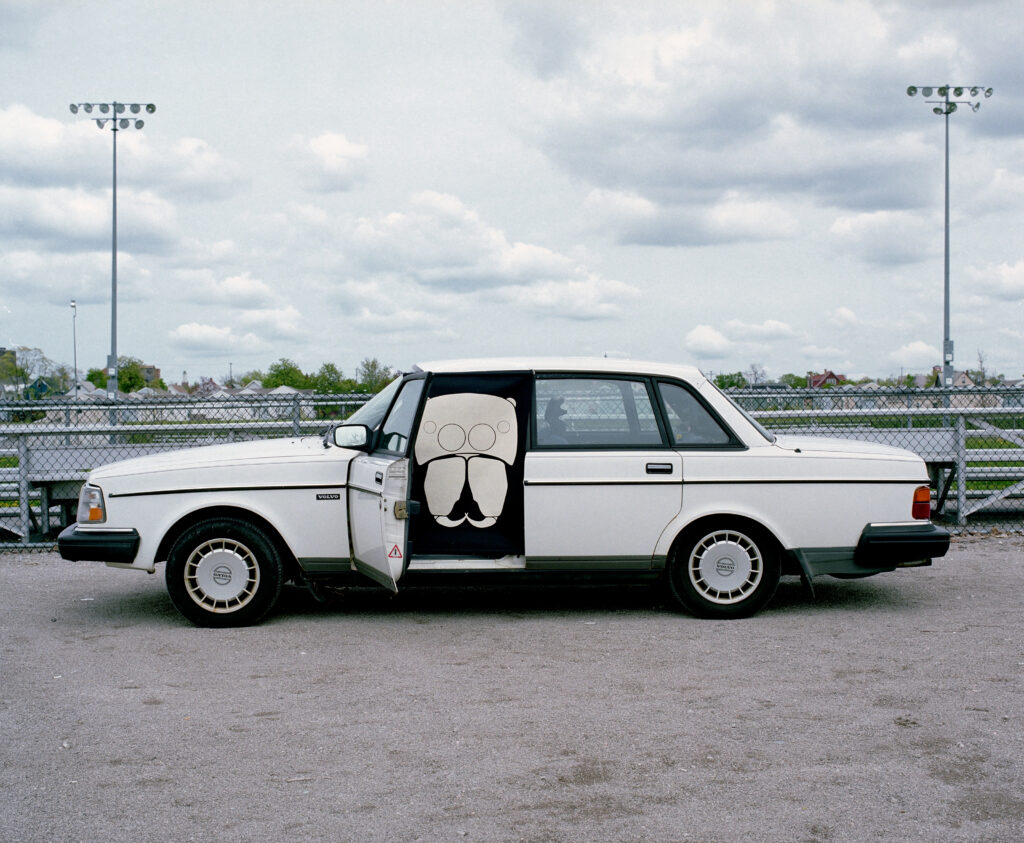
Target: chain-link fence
(48, 447)
(971, 439)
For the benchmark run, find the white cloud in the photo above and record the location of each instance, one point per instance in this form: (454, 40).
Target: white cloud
(736, 217)
(827, 353)
(274, 323)
(330, 162)
(1004, 281)
(770, 329)
(440, 244)
(67, 219)
(590, 298)
(916, 355)
(707, 343)
(732, 218)
(885, 237)
(199, 338)
(765, 150)
(842, 317)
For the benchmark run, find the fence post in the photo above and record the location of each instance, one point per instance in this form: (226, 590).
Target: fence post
(24, 503)
(296, 414)
(961, 470)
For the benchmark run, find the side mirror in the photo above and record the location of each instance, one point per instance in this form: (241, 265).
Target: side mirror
(355, 436)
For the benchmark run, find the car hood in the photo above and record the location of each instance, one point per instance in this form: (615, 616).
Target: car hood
(303, 461)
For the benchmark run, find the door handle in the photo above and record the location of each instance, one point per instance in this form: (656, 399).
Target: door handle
(659, 468)
(379, 477)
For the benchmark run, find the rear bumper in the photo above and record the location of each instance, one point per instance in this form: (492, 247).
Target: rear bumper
(892, 545)
(120, 546)
(881, 547)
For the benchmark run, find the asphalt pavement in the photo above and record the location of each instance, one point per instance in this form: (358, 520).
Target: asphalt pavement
(885, 709)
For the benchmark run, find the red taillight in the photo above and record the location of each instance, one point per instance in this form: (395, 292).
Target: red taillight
(922, 507)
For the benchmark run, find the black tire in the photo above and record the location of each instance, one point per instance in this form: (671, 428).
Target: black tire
(723, 570)
(224, 572)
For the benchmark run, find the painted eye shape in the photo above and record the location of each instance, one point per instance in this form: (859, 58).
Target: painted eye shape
(451, 437)
(482, 437)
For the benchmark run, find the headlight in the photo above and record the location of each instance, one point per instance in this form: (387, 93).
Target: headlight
(90, 506)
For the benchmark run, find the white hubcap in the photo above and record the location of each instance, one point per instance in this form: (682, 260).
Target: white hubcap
(725, 567)
(222, 575)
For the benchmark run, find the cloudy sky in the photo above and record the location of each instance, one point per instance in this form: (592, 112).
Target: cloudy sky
(723, 183)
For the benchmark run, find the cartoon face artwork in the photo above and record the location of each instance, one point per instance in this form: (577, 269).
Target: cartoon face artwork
(467, 440)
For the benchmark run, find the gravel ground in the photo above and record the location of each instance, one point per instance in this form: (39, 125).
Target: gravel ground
(888, 708)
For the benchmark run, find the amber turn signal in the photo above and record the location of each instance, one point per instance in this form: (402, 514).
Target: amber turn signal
(922, 507)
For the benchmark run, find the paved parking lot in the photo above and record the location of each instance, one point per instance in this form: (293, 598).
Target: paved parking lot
(888, 708)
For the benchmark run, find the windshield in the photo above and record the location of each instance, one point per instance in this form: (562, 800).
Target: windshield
(373, 410)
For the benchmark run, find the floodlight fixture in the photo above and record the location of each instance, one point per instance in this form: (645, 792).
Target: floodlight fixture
(117, 123)
(944, 107)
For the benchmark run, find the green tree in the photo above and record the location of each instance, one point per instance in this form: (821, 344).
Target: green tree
(11, 373)
(285, 373)
(129, 374)
(330, 380)
(97, 377)
(249, 377)
(373, 375)
(735, 380)
(794, 381)
(21, 366)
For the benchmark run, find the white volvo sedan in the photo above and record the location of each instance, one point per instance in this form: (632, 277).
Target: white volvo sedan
(516, 471)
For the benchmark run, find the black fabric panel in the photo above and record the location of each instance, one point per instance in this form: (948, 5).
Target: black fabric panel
(428, 537)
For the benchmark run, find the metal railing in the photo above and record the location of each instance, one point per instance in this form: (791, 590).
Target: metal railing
(48, 447)
(971, 439)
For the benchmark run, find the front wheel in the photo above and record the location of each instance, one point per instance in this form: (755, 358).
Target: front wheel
(721, 571)
(224, 572)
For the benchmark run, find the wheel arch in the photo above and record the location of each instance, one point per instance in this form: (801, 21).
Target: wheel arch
(743, 587)
(288, 559)
(729, 519)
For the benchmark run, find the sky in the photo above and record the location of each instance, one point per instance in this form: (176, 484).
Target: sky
(717, 183)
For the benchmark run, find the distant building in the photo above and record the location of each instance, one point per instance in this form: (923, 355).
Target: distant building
(826, 378)
(961, 380)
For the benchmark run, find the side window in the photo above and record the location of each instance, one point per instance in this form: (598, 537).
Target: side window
(594, 412)
(690, 422)
(398, 425)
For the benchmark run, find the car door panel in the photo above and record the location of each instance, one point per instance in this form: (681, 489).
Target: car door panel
(599, 508)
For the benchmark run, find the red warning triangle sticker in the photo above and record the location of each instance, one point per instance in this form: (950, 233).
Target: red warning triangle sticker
(395, 553)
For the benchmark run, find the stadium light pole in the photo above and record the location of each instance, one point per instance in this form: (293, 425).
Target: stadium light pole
(113, 113)
(944, 107)
(74, 343)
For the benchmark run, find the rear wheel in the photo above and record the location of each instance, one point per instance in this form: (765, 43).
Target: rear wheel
(723, 571)
(224, 572)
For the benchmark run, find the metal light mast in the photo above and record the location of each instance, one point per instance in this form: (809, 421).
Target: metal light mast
(114, 112)
(944, 107)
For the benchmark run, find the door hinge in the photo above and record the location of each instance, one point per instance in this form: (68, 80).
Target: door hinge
(406, 509)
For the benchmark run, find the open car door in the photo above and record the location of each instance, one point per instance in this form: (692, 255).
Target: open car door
(378, 492)
(377, 497)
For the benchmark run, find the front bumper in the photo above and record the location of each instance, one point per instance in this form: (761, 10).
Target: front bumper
(892, 545)
(118, 546)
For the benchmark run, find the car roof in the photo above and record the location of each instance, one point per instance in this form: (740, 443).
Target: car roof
(610, 365)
